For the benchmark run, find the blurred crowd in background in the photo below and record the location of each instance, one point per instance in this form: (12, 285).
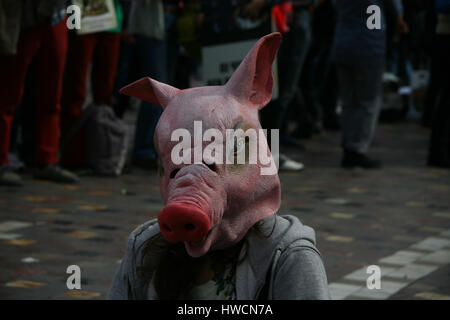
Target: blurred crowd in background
(332, 72)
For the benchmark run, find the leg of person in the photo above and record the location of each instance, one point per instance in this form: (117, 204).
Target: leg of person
(308, 85)
(152, 59)
(51, 61)
(25, 116)
(361, 99)
(124, 75)
(432, 88)
(172, 46)
(439, 148)
(328, 97)
(80, 51)
(106, 57)
(292, 57)
(12, 79)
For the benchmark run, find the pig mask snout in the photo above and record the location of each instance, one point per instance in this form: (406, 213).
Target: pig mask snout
(194, 206)
(183, 222)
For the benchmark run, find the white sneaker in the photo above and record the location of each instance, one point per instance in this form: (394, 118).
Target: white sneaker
(287, 164)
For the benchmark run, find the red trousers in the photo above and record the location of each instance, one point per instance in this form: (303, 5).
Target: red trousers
(102, 49)
(49, 46)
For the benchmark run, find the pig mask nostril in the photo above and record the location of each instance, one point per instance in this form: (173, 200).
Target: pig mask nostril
(211, 166)
(174, 173)
(189, 226)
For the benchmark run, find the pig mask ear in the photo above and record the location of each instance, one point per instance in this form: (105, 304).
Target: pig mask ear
(253, 81)
(151, 90)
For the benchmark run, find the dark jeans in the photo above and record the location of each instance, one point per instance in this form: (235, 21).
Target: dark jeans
(152, 61)
(360, 89)
(129, 68)
(127, 72)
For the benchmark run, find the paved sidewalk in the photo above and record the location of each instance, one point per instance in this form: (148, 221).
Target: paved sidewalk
(397, 218)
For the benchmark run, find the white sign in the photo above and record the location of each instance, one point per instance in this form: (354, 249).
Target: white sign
(97, 16)
(220, 61)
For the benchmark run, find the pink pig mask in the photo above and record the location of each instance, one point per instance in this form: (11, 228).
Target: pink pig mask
(211, 206)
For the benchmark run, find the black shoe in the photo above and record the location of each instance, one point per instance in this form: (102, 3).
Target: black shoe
(8, 177)
(331, 123)
(441, 163)
(352, 159)
(55, 173)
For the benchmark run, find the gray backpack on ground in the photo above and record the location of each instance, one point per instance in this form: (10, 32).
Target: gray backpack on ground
(106, 139)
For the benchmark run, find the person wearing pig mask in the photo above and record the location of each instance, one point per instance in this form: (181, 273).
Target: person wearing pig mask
(219, 235)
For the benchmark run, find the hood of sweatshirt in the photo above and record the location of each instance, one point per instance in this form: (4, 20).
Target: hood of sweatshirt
(275, 233)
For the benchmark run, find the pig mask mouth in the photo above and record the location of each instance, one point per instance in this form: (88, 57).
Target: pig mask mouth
(194, 209)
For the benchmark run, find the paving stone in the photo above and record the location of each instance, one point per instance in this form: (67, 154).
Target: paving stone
(432, 244)
(339, 291)
(26, 284)
(432, 296)
(412, 271)
(337, 201)
(401, 257)
(82, 234)
(362, 275)
(446, 233)
(437, 257)
(340, 239)
(387, 289)
(442, 214)
(19, 242)
(81, 294)
(29, 260)
(341, 215)
(9, 236)
(13, 225)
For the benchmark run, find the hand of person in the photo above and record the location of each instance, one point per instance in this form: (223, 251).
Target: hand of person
(253, 9)
(402, 27)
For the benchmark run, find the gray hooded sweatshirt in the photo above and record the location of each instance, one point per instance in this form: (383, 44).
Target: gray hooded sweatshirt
(288, 260)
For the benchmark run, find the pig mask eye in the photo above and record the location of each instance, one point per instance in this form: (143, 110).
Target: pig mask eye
(239, 145)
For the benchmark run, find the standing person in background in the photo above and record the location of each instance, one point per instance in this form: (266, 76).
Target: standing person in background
(129, 68)
(316, 97)
(126, 65)
(325, 92)
(291, 56)
(147, 26)
(33, 29)
(439, 152)
(102, 48)
(359, 53)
